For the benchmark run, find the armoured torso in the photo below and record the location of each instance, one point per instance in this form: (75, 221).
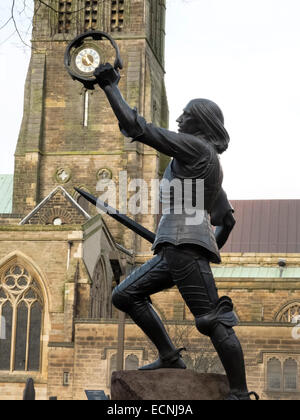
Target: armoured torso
(187, 196)
(196, 161)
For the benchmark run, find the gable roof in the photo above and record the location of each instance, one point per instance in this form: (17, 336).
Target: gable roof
(6, 193)
(51, 208)
(265, 226)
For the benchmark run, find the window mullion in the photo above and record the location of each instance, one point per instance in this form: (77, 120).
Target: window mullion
(282, 375)
(13, 337)
(27, 338)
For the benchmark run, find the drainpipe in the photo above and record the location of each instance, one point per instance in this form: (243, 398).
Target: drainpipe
(70, 244)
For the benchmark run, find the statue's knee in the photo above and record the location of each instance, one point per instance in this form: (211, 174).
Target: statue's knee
(205, 324)
(120, 300)
(222, 315)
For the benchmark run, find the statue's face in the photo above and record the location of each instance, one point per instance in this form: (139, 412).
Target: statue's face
(187, 123)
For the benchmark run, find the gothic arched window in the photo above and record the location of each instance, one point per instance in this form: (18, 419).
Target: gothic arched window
(101, 306)
(21, 312)
(131, 362)
(290, 375)
(274, 374)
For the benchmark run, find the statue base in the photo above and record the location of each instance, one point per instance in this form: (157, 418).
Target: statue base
(168, 384)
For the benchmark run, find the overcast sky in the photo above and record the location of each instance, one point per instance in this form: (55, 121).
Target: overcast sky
(242, 54)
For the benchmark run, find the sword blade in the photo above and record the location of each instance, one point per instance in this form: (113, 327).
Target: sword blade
(121, 218)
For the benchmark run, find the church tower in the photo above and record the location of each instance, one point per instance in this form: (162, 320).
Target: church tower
(69, 136)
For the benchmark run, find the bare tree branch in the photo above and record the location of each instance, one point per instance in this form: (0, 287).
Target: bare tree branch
(15, 23)
(26, 12)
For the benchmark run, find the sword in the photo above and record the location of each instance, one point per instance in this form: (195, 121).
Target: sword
(115, 214)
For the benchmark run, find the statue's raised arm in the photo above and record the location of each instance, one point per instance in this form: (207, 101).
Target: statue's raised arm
(183, 146)
(108, 79)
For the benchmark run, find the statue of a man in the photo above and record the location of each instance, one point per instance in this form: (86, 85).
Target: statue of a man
(183, 251)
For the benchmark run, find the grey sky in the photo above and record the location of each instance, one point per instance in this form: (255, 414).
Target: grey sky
(244, 55)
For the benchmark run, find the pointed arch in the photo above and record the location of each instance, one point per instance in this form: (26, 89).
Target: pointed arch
(24, 306)
(101, 291)
(131, 362)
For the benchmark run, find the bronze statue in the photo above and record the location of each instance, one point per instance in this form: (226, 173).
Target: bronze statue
(183, 251)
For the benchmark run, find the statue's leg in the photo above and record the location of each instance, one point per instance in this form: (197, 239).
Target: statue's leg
(231, 355)
(214, 317)
(132, 296)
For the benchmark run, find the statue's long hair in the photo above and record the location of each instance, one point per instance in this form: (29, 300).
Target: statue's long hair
(212, 122)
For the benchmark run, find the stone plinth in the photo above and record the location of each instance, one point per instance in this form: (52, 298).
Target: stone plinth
(168, 384)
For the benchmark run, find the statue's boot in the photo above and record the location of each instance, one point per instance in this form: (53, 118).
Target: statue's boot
(231, 355)
(169, 361)
(241, 396)
(152, 326)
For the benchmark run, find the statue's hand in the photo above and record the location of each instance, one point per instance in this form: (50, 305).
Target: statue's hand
(106, 75)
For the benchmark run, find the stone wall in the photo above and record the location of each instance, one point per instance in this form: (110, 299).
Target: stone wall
(96, 343)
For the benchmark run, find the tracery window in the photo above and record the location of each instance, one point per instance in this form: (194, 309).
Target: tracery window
(290, 313)
(21, 308)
